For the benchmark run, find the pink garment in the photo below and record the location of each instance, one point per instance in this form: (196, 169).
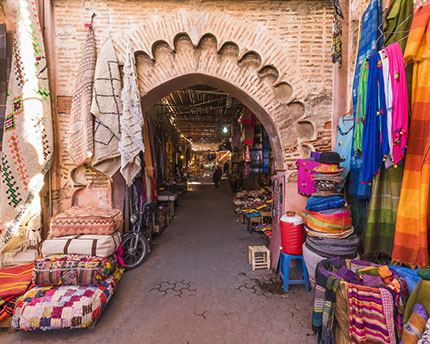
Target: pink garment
(400, 110)
(304, 178)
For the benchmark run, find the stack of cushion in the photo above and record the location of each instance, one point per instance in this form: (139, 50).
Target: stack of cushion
(77, 273)
(329, 227)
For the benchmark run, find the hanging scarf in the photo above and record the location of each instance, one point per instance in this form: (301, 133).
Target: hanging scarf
(336, 44)
(360, 114)
(27, 137)
(106, 107)
(375, 137)
(3, 76)
(400, 109)
(131, 121)
(80, 144)
(398, 21)
(411, 238)
(388, 92)
(378, 237)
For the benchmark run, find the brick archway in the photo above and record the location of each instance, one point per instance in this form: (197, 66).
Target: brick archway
(176, 51)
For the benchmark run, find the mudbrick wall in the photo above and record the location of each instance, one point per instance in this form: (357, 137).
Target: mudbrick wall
(274, 56)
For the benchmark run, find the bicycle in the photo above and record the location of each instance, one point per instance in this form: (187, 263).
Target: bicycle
(136, 243)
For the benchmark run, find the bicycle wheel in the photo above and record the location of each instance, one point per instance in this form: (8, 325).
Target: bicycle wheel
(134, 255)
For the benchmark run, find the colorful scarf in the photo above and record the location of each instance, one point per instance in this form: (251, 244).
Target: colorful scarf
(411, 237)
(378, 237)
(27, 137)
(80, 145)
(248, 125)
(375, 136)
(360, 114)
(367, 322)
(131, 122)
(107, 107)
(336, 44)
(398, 22)
(425, 339)
(400, 109)
(327, 283)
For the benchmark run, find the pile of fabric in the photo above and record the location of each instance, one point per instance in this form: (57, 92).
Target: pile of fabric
(77, 273)
(265, 228)
(14, 282)
(327, 220)
(357, 302)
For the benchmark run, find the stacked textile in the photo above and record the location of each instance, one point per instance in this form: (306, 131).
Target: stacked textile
(327, 220)
(14, 282)
(77, 274)
(371, 296)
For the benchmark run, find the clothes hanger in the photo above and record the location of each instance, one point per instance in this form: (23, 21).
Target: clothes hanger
(393, 32)
(350, 112)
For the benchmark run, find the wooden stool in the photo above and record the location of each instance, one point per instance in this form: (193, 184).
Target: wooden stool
(256, 220)
(267, 216)
(259, 257)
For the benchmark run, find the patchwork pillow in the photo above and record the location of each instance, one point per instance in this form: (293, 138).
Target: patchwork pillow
(324, 203)
(85, 220)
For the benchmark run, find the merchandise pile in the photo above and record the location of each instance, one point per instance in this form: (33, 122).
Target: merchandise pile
(326, 219)
(77, 273)
(252, 203)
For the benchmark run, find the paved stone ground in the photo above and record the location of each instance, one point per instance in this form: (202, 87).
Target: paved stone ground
(197, 287)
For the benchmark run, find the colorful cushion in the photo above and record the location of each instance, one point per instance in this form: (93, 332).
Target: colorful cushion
(72, 269)
(84, 220)
(91, 245)
(67, 306)
(324, 203)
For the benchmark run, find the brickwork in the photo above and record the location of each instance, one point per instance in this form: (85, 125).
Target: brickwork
(271, 55)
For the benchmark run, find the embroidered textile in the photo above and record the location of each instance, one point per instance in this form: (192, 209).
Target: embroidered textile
(27, 133)
(344, 143)
(80, 144)
(131, 121)
(60, 269)
(107, 107)
(411, 237)
(425, 339)
(306, 172)
(57, 307)
(84, 220)
(3, 76)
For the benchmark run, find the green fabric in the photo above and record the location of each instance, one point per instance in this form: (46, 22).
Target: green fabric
(420, 294)
(424, 274)
(378, 237)
(398, 22)
(361, 103)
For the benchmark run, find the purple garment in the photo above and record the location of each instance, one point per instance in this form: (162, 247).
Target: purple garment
(304, 178)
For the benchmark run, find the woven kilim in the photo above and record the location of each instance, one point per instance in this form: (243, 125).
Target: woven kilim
(66, 306)
(80, 145)
(131, 121)
(60, 269)
(83, 220)
(107, 108)
(27, 134)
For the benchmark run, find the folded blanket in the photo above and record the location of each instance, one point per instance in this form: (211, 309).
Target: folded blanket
(60, 269)
(15, 281)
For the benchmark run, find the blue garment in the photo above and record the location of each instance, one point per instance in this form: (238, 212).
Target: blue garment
(375, 133)
(370, 42)
(344, 143)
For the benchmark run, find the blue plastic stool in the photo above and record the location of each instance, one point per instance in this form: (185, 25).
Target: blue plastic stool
(284, 270)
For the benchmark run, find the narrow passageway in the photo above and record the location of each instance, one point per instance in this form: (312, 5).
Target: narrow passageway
(197, 287)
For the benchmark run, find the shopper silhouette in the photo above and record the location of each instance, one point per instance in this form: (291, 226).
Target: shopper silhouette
(217, 176)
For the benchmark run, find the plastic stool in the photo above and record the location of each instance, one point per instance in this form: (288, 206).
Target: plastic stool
(284, 270)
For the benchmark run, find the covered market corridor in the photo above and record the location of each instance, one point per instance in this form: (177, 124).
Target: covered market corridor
(197, 287)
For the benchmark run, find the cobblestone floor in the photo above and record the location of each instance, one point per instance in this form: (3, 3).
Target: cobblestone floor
(197, 287)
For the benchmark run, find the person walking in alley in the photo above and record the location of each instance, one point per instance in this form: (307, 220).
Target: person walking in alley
(217, 176)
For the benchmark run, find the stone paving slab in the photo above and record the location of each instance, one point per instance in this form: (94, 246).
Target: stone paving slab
(197, 287)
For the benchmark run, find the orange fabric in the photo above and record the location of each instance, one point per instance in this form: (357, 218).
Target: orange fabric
(14, 281)
(411, 237)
